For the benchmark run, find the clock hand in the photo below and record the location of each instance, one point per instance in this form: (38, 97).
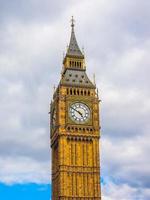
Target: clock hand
(80, 113)
(77, 111)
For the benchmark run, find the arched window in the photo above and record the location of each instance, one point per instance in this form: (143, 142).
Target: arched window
(71, 91)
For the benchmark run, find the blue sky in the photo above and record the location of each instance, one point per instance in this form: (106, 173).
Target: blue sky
(116, 40)
(25, 191)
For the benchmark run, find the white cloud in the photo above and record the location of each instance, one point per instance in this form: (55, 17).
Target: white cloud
(117, 44)
(23, 170)
(112, 191)
(127, 158)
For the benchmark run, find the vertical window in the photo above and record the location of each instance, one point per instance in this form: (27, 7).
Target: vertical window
(75, 150)
(71, 91)
(71, 153)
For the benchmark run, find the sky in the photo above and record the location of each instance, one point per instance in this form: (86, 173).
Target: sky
(115, 36)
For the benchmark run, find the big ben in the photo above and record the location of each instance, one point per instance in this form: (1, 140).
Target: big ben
(75, 130)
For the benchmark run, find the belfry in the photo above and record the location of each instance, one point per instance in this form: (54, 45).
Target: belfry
(75, 130)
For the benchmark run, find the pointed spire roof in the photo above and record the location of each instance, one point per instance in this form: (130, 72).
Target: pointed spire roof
(73, 48)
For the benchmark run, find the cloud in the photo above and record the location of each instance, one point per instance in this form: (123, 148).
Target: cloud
(23, 170)
(117, 44)
(130, 160)
(32, 11)
(114, 191)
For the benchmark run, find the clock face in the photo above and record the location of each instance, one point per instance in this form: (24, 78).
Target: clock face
(79, 112)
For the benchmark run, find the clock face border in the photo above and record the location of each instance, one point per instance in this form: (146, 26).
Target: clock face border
(79, 112)
(88, 104)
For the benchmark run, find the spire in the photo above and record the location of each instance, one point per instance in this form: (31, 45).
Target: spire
(73, 49)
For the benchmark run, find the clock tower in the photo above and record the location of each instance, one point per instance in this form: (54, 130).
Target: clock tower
(75, 130)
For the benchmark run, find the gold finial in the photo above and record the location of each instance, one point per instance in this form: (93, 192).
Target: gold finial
(72, 22)
(83, 50)
(94, 79)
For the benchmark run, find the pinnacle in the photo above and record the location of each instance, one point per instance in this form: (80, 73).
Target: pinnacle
(73, 49)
